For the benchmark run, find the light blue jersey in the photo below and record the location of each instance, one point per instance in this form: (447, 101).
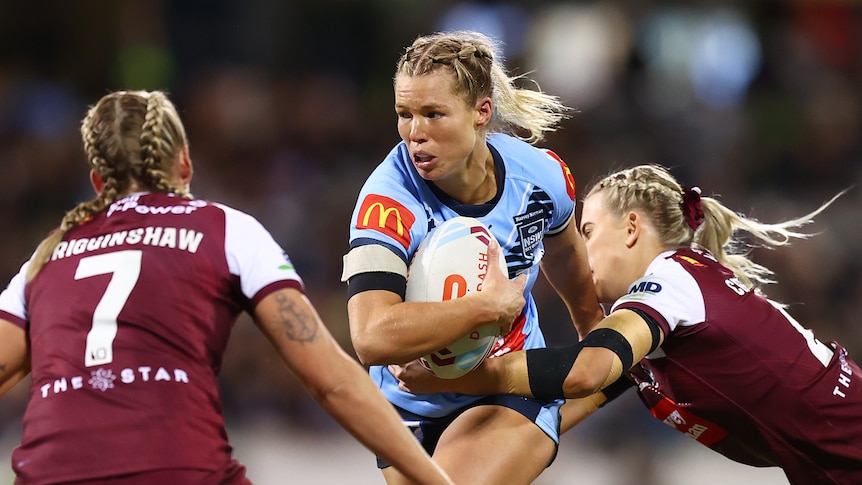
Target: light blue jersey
(397, 208)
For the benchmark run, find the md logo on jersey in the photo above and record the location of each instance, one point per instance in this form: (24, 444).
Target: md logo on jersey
(531, 229)
(645, 287)
(387, 216)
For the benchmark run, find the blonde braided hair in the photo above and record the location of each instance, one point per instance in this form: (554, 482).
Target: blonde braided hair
(655, 193)
(131, 139)
(476, 63)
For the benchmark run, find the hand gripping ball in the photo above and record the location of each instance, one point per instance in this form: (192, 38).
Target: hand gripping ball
(452, 262)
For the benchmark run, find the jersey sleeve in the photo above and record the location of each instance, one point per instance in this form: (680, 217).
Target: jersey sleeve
(673, 299)
(256, 258)
(562, 187)
(387, 213)
(13, 306)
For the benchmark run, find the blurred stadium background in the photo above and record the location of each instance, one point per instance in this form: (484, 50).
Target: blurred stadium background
(288, 105)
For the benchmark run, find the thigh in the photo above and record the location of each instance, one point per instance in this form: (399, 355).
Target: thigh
(493, 445)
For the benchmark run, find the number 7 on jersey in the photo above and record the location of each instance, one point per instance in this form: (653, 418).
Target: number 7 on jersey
(124, 268)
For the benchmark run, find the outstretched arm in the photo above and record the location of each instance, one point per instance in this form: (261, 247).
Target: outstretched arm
(340, 384)
(573, 371)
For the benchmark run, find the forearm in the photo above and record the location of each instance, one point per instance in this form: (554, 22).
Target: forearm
(576, 288)
(363, 411)
(576, 410)
(595, 362)
(401, 332)
(566, 267)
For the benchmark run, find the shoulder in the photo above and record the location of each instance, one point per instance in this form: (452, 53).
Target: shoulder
(668, 291)
(239, 224)
(512, 148)
(535, 164)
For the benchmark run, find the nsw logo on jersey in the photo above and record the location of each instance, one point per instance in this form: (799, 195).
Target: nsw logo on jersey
(388, 216)
(531, 230)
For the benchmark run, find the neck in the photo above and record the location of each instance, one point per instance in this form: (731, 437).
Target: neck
(477, 184)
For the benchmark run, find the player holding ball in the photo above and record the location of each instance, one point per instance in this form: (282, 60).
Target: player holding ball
(453, 100)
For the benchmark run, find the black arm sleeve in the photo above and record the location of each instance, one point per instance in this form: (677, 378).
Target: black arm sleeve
(377, 280)
(547, 370)
(618, 387)
(653, 328)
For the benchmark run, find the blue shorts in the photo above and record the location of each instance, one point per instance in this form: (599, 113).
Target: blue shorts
(545, 414)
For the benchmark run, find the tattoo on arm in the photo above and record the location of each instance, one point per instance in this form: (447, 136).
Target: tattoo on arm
(298, 324)
(2, 368)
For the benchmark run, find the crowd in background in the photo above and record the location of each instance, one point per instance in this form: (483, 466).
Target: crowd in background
(288, 107)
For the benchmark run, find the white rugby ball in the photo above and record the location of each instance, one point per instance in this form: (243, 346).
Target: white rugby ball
(452, 262)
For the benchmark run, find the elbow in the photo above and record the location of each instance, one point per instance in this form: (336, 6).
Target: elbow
(369, 351)
(365, 353)
(580, 383)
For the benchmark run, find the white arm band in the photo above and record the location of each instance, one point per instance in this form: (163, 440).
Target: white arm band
(372, 258)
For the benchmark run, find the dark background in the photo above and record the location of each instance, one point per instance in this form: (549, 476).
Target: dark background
(288, 106)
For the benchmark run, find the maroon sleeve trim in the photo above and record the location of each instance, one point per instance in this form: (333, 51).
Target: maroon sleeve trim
(14, 320)
(273, 287)
(659, 319)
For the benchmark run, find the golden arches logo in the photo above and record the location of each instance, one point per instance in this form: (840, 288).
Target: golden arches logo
(387, 216)
(382, 215)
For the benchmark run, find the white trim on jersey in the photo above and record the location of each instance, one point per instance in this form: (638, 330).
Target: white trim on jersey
(680, 301)
(12, 298)
(563, 226)
(252, 253)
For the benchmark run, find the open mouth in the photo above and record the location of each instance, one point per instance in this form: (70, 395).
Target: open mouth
(422, 160)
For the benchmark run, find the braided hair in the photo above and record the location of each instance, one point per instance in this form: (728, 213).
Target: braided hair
(476, 63)
(131, 139)
(683, 218)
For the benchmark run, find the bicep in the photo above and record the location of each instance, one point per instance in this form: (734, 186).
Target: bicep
(620, 340)
(638, 329)
(362, 307)
(14, 355)
(565, 246)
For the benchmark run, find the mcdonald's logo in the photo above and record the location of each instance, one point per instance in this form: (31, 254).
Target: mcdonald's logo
(386, 215)
(570, 179)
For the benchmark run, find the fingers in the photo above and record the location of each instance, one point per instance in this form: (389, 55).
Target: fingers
(494, 255)
(521, 280)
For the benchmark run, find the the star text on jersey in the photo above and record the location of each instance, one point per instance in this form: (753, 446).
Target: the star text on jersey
(103, 379)
(843, 377)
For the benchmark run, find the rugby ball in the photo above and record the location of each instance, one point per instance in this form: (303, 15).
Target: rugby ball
(452, 262)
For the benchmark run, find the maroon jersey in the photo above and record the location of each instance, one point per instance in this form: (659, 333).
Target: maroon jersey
(738, 374)
(128, 322)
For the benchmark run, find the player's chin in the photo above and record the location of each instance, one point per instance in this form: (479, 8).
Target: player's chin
(428, 170)
(604, 296)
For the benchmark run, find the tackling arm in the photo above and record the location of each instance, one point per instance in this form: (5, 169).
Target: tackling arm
(574, 371)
